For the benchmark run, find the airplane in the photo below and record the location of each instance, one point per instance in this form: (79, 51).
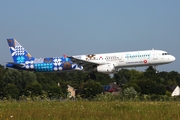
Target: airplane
(107, 63)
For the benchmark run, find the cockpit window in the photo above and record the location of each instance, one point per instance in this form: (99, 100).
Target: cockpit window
(165, 53)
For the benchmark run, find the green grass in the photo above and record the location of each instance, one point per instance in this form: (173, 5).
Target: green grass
(90, 110)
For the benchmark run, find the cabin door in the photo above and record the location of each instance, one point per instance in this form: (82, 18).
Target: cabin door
(155, 55)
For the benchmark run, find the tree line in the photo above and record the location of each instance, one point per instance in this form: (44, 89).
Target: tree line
(16, 84)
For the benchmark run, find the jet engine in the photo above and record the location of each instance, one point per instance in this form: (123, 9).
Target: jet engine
(107, 68)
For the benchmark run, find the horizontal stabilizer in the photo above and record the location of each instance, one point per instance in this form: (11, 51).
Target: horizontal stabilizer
(15, 64)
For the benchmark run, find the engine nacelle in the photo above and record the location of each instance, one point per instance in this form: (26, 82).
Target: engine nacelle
(107, 69)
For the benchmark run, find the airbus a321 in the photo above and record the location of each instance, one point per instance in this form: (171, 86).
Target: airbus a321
(107, 63)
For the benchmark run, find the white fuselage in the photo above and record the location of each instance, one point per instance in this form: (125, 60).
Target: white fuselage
(130, 59)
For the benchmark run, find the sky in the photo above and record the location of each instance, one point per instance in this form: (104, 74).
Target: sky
(51, 28)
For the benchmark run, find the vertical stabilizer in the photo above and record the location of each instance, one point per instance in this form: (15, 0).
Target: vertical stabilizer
(19, 54)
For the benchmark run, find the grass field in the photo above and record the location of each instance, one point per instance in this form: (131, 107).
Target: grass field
(90, 110)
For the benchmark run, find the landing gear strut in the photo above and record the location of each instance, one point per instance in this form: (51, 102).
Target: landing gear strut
(156, 69)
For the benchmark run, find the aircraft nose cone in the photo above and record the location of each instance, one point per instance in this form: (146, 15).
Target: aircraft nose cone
(173, 58)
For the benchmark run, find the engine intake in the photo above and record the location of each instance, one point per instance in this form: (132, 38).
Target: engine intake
(107, 68)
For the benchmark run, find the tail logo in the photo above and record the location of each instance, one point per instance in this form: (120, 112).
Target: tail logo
(18, 53)
(11, 43)
(20, 59)
(19, 50)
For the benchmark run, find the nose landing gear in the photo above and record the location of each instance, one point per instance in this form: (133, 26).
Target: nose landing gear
(155, 69)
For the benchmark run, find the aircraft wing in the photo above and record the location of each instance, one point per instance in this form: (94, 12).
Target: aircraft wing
(87, 65)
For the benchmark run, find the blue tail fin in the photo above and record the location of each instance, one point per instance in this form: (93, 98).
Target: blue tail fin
(19, 54)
